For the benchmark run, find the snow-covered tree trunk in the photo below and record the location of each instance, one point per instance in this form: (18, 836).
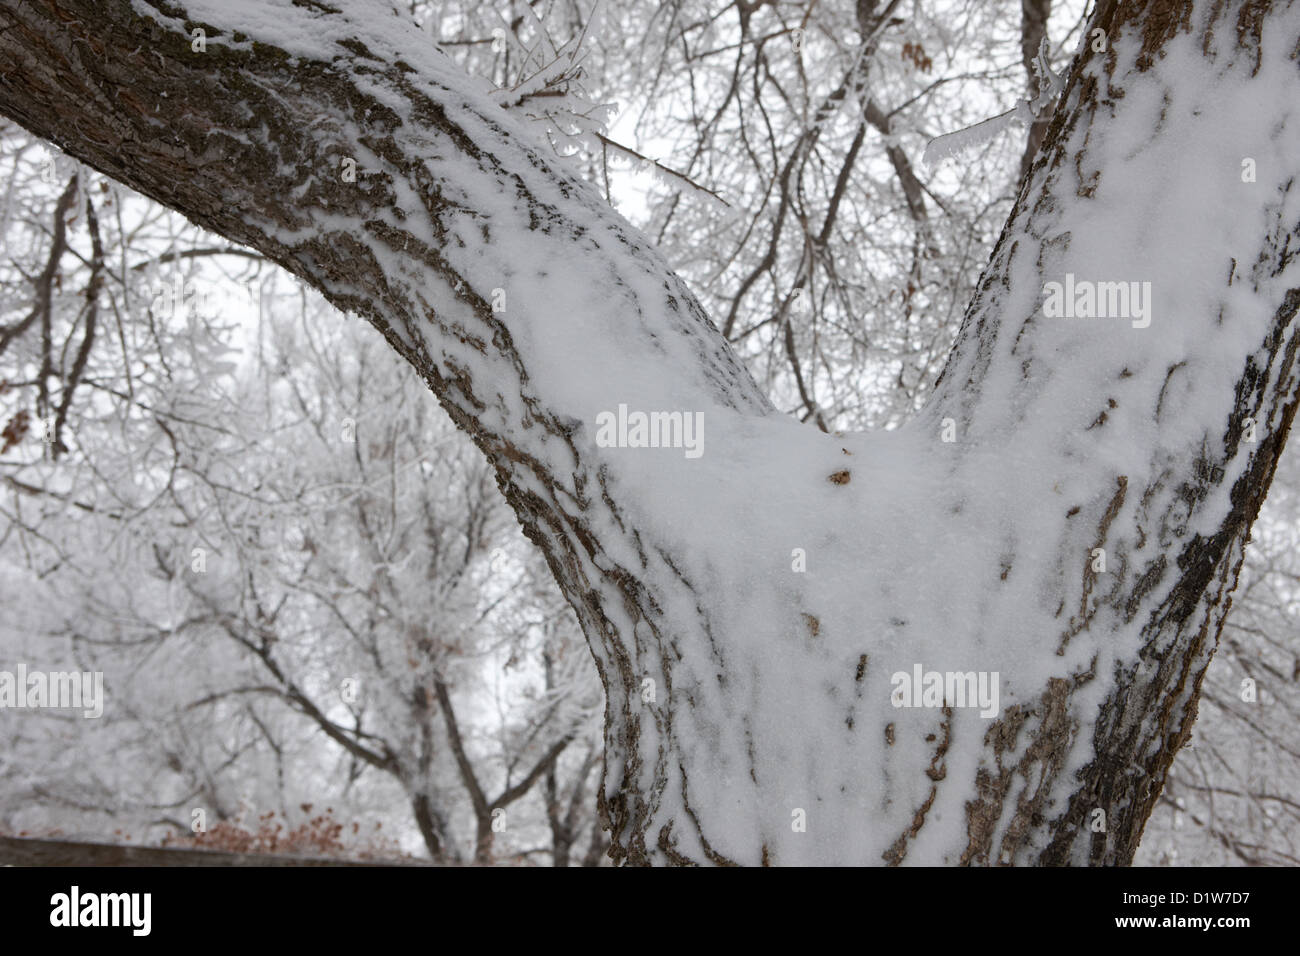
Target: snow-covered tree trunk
(1067, 515)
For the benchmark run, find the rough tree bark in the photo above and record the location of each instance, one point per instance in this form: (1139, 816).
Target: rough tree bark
(772, 688)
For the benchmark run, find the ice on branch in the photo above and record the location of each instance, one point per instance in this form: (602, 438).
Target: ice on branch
(662, 174)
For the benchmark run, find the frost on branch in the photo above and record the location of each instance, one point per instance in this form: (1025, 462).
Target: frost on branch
(549, 92)
(548, 89)
(1026, 111)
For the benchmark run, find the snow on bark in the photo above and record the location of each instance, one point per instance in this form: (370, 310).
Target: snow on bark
(748, 609)
(1155, 444)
